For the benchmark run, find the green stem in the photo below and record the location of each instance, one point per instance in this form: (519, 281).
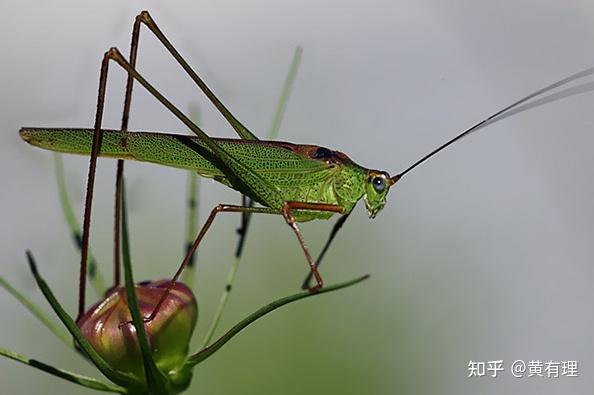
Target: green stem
(285, 93)
(37, 312)
(206, 352)
(85, 381)
(222, 302)
(191, 227)
(192, 211)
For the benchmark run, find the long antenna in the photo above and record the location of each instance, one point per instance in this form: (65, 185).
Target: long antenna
(499, 114)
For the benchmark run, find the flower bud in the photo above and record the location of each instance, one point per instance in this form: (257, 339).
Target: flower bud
(107, 326)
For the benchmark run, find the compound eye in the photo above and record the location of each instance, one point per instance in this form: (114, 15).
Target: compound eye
(379, 184)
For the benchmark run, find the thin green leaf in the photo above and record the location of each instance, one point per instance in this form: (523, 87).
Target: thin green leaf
(117, 377)
(85, 381)
(192, 211)
(285, 93)
(208, 351)
(222, 302)
(155, 379)
(95, 276)
(37, 312)
(191, 228)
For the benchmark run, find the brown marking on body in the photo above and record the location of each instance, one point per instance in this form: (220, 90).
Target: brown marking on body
(323, 154)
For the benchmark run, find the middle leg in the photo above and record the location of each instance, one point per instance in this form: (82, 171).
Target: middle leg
(333, 232)
(287, 210)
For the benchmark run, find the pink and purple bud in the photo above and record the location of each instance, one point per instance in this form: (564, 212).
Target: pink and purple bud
(107, 326)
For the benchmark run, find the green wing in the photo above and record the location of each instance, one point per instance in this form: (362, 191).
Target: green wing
(284, 167)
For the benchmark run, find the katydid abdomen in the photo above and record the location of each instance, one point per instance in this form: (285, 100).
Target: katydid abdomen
(297, 171)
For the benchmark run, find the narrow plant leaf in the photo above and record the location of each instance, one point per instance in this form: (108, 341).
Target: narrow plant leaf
(285, 93)
(155, 379)
(37, 312)
(85, 381)
(192, 211)
(115, 376)
(206, 352)
(222, 301)
(93, 273)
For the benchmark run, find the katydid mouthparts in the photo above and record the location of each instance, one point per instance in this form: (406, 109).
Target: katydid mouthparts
(298, 181)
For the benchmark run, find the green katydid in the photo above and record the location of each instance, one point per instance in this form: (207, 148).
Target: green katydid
(298, 181)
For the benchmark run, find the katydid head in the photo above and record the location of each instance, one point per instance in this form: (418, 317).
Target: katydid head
(376, 189)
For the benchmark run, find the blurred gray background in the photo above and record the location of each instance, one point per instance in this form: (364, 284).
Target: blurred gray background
(483, 253)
